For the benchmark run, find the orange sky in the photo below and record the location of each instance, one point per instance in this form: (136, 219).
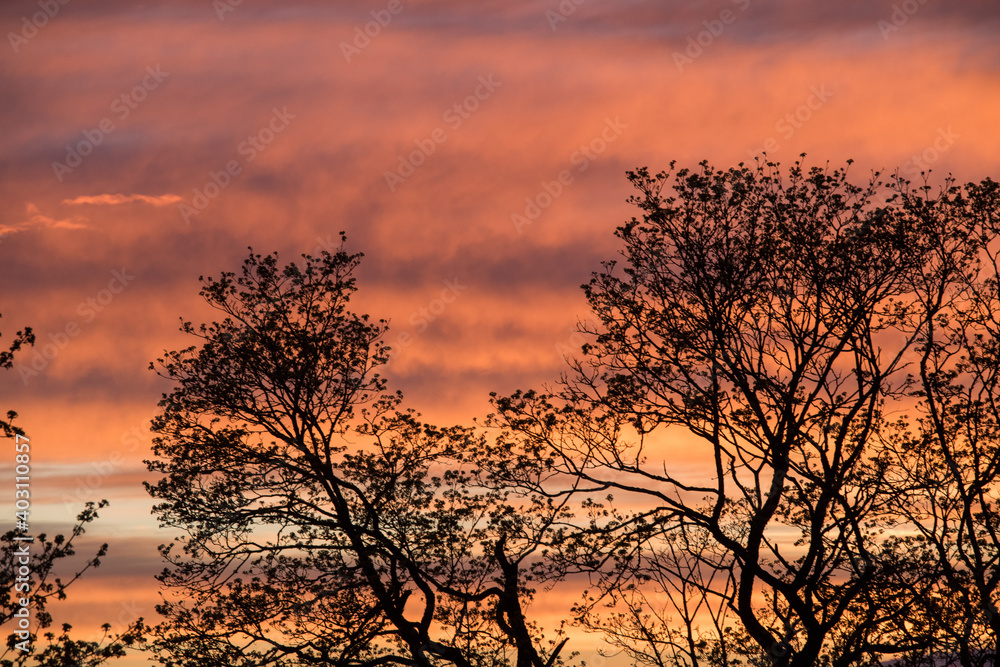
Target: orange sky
(497, 101)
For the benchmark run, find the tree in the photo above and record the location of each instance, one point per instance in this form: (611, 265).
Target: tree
(23, 337)
(320, 523)
(40, 557)
(784, 323)
(945, 467)
(45, 586)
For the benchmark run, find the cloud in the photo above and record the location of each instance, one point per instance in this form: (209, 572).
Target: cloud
(115, 200)
(36, 219)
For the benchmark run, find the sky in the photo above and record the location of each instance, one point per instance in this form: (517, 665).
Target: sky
(476, 153)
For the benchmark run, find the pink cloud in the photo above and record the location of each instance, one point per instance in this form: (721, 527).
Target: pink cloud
(115, 200)
(37, 220)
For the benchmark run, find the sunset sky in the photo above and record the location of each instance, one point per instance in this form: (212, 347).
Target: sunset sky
(474, 151)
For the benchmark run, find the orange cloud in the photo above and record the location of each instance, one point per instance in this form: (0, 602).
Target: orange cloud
(115, 200)
(478, 300)
(37, 220)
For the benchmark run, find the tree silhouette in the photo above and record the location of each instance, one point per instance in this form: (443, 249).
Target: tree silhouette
(782, 326)
(320, 523)
(825, 353)
(59, 649)
(945, 465)
(42, 584)
(21, 338)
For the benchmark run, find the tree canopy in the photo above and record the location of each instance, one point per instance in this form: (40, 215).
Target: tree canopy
(778, 446)
(830, 351)
(321, 523)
